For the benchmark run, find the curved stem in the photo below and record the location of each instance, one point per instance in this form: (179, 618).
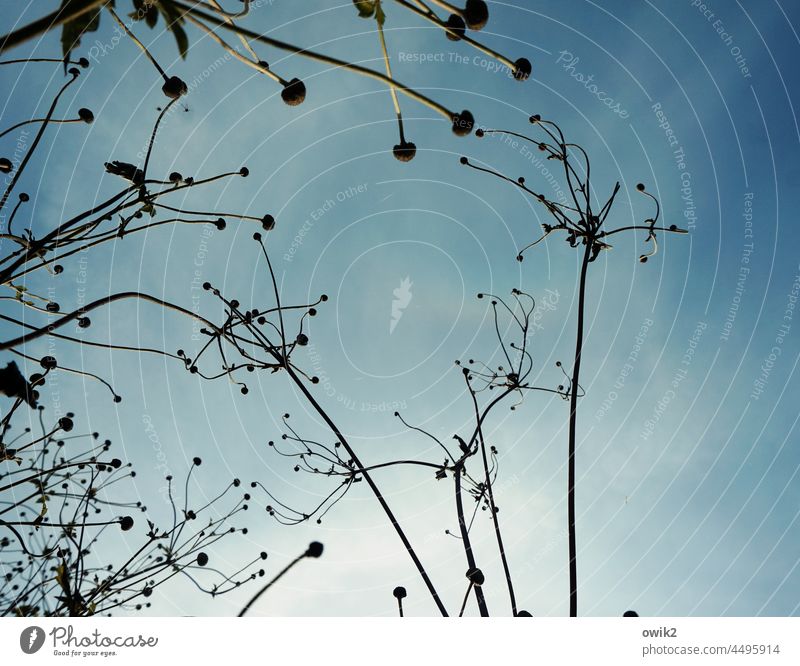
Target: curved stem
(106, 300)
(39, 120)
(36, 140)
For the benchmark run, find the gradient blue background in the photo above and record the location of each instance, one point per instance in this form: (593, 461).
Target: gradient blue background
(697, 518)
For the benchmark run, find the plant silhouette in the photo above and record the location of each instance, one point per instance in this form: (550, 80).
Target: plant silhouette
(582, 219)
(70, 500)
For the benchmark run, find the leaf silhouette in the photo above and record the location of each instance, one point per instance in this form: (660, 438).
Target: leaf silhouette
(366, 8)
(73, 30)
(174, 21)
(14, 385)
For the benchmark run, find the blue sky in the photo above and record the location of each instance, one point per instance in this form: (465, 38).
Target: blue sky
(690, 508)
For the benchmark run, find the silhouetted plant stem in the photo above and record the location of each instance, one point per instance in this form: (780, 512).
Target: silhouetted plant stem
(573, 418)
(368, 478)
(462, 526)
(466, 598)
(465, 38)
(74, 75)
(63, 14)
(313, 55)
(255, 64)
(496, 522)
(39, 332)
(138, 43)
(258, 594)
(387, 64)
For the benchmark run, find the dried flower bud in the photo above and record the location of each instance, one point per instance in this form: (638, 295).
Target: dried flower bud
(174, 88)
(404, 152)
(455, 27)
(522, 69)
(462, 123)
(475, 576)
(294, 92)
(476, 14)
(315, 549)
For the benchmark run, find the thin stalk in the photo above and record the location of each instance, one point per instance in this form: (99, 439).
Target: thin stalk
(255, 64)
(573, 414)
(35, 141)
(320, 57)
(40, 332)
(393, 92)
(40, 120)
(368, 478)
(464, 38)
(138, 43)
(462, 526)
(498, 535)
(63, 14)
(270, 584)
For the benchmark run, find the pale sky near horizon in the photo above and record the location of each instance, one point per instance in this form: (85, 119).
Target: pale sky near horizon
(688, 458)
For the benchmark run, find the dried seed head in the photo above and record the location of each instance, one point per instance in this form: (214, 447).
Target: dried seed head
(456, 27)
(315, 549)
(463, 123)
(522, 69)
(294, 92)
(404, 152)
(476, 14)
(174, 88)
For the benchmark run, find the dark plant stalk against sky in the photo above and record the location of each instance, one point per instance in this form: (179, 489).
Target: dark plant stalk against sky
(583, 227)
(58, 503)
(77, 18)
